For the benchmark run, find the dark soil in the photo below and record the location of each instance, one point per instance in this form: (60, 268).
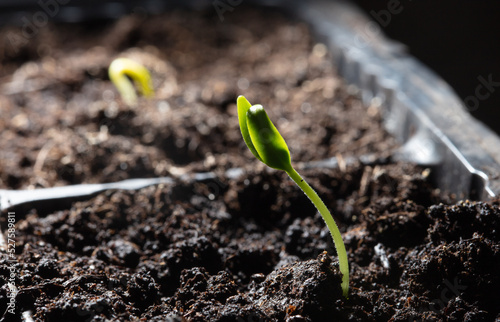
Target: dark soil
(63, 122)
(250, 248)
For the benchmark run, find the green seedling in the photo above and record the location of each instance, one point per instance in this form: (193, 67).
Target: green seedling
(267, 145)
(118, 71)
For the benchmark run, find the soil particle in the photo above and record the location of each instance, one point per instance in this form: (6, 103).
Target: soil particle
(464, 220)
(304, 288)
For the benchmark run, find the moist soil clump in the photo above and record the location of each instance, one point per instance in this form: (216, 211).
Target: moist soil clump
(246, 248)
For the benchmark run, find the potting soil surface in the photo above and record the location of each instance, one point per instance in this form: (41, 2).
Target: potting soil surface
(245, 248)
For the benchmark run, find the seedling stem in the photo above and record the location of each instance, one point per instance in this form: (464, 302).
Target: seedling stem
(330, 223)
(267, 145)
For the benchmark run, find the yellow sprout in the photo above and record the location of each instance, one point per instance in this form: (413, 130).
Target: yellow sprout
(118, 71)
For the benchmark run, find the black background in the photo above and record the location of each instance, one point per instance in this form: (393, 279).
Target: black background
(459, 40)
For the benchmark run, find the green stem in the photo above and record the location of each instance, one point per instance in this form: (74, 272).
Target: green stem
(332, 226)
(126, 89)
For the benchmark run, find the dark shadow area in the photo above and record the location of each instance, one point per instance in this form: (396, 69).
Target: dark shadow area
(457, 39)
